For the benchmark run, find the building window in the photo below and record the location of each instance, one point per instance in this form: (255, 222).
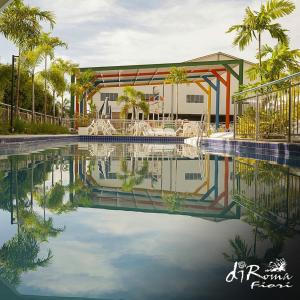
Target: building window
(193, 176)
(151, 97)
(194, 99)
(111, 96)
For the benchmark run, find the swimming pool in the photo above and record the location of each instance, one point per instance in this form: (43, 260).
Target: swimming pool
(143, 221)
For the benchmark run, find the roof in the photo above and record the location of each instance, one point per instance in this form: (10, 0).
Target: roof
(219, 56)
(154, 74)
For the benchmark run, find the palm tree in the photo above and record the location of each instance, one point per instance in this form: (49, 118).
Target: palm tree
(48, 44)
(133, 100)
(31, 59)
(177, 76)
(279, 62)
(20, 24)
(257, 22)
(56, 82)
(84, 86)
(65, 67)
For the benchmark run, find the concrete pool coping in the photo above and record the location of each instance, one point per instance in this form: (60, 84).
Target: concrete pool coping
(279, 152)
(6, 140)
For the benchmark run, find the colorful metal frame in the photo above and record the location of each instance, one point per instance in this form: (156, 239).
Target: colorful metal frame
(199, 72)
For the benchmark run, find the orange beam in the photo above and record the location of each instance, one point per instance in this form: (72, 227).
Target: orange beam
(142, 84)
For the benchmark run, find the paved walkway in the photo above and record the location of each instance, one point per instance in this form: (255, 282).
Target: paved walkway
(13, 136)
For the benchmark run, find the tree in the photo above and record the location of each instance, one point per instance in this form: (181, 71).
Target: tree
(133, 100)
(20, 24)
(257, 22)
(56, 81)
(25, 89)
(48, 44)
(5, 80)
(177, 76)
(84, 86)
(276, 63)
(31, 59)
(64, 67)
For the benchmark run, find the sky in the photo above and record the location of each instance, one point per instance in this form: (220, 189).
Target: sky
(118, 32)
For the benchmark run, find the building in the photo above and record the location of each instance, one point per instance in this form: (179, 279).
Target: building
(212, 78)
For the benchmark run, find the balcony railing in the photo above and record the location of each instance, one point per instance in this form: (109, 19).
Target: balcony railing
(26, 115)
(269, 112)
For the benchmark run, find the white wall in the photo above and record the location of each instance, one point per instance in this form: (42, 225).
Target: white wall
(184, 89)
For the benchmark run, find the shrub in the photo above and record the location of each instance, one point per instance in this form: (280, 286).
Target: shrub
(21, 126)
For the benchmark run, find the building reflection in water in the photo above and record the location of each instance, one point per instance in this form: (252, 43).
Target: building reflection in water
(158, 178)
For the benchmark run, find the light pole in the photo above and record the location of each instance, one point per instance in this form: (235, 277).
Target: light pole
(12, 100)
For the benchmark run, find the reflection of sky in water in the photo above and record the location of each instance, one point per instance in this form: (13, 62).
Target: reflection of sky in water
(125, 255)
(115, 254)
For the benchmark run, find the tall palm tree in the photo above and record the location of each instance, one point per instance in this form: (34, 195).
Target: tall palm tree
(31, 60)
(257, 22)
(48, 44)
(133, 100)
(65, 67)
(83, 86)
(21, 24)
(177, 76)
(277, 62)
(56, 82)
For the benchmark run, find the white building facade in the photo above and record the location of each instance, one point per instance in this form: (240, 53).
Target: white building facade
(192, 100)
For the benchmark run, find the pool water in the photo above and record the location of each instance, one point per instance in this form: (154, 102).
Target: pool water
(144, 221)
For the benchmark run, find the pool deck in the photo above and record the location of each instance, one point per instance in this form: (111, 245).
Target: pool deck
(18, 138)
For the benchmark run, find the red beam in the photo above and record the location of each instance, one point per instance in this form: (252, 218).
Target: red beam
(219, 77)
(157, 73)
(227, 100)
(226, 176)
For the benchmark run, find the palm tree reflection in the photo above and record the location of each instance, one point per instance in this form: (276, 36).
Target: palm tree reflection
(19, 255)
(271, 208)
(133, 176)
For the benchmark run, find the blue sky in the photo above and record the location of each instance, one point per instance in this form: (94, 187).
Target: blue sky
(116, 32)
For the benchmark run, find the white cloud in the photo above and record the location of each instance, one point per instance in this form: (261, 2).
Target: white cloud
(107, 252)
(117, 32)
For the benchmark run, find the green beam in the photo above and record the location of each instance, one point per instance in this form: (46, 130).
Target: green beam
(165, 65)
(241, 72)
(230, 69)
(221, 215)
